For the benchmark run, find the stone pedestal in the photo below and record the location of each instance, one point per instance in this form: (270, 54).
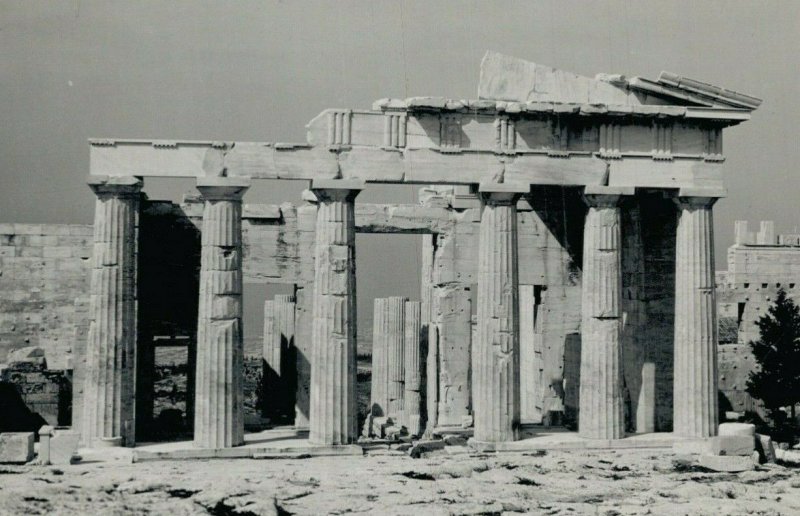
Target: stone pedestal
(219, 419)
(333, 360)
(601, 398)
(108, 399)
(695, 378)
(412, 398)
(279, 357)
(495, 360)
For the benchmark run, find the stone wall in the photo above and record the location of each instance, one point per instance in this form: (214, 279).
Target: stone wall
(46, 393)
(43, 269)
(759, 264)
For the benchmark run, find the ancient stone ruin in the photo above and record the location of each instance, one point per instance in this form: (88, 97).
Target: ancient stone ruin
(567, 266)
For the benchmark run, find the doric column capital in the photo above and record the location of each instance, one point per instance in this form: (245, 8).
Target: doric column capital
(694, 198)
(342, 190)
(116, 186)
(502, 193)
(606, 196)
(222, 188)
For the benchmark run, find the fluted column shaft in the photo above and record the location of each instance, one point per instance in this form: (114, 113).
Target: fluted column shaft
(695, 378)
(108, 399)
(333, 360)
(495, 360)
(379, 382)
(601, 398)
(412, 398)
(279, 356)
(218, 418)
(395, 354)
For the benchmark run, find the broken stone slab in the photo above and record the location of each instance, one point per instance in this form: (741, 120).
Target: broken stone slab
(743, 445)
(737, 429)
(454, 440)
(467, 421)
(16, 447)
(512, 79)
(27, 355)
(765, 448)
(726, 463)
(420, 448)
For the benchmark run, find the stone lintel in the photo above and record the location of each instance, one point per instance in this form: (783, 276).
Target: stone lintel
(223, 188)
(115, 185)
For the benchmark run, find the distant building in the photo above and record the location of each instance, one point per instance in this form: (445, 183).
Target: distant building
(759, 264)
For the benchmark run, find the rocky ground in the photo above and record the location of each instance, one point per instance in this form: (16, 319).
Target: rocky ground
(602, 482)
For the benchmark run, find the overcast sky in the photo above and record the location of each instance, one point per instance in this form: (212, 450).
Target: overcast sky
(260, 70)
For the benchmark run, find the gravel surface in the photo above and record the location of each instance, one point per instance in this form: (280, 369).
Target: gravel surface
(387, 482)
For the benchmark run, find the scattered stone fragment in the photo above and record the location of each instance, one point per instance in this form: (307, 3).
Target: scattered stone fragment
(454, 440)
(765, 448)
(422, 447)
(16, 447)
(467, 421)
(725, 463)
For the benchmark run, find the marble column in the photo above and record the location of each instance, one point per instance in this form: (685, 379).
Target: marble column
(695, 401)
(395, 355)
(109, 389)
(379, 400)
(333, 359)
(219, 418)
(495, 358)
(412, 398)
(279, 357)
(601, 398)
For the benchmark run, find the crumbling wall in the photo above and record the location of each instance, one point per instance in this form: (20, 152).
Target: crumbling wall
(43, 269)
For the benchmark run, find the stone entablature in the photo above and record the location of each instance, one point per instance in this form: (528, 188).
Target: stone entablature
(607, 131)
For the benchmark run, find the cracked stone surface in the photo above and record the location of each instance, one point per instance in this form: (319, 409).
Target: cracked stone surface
(602, 482)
